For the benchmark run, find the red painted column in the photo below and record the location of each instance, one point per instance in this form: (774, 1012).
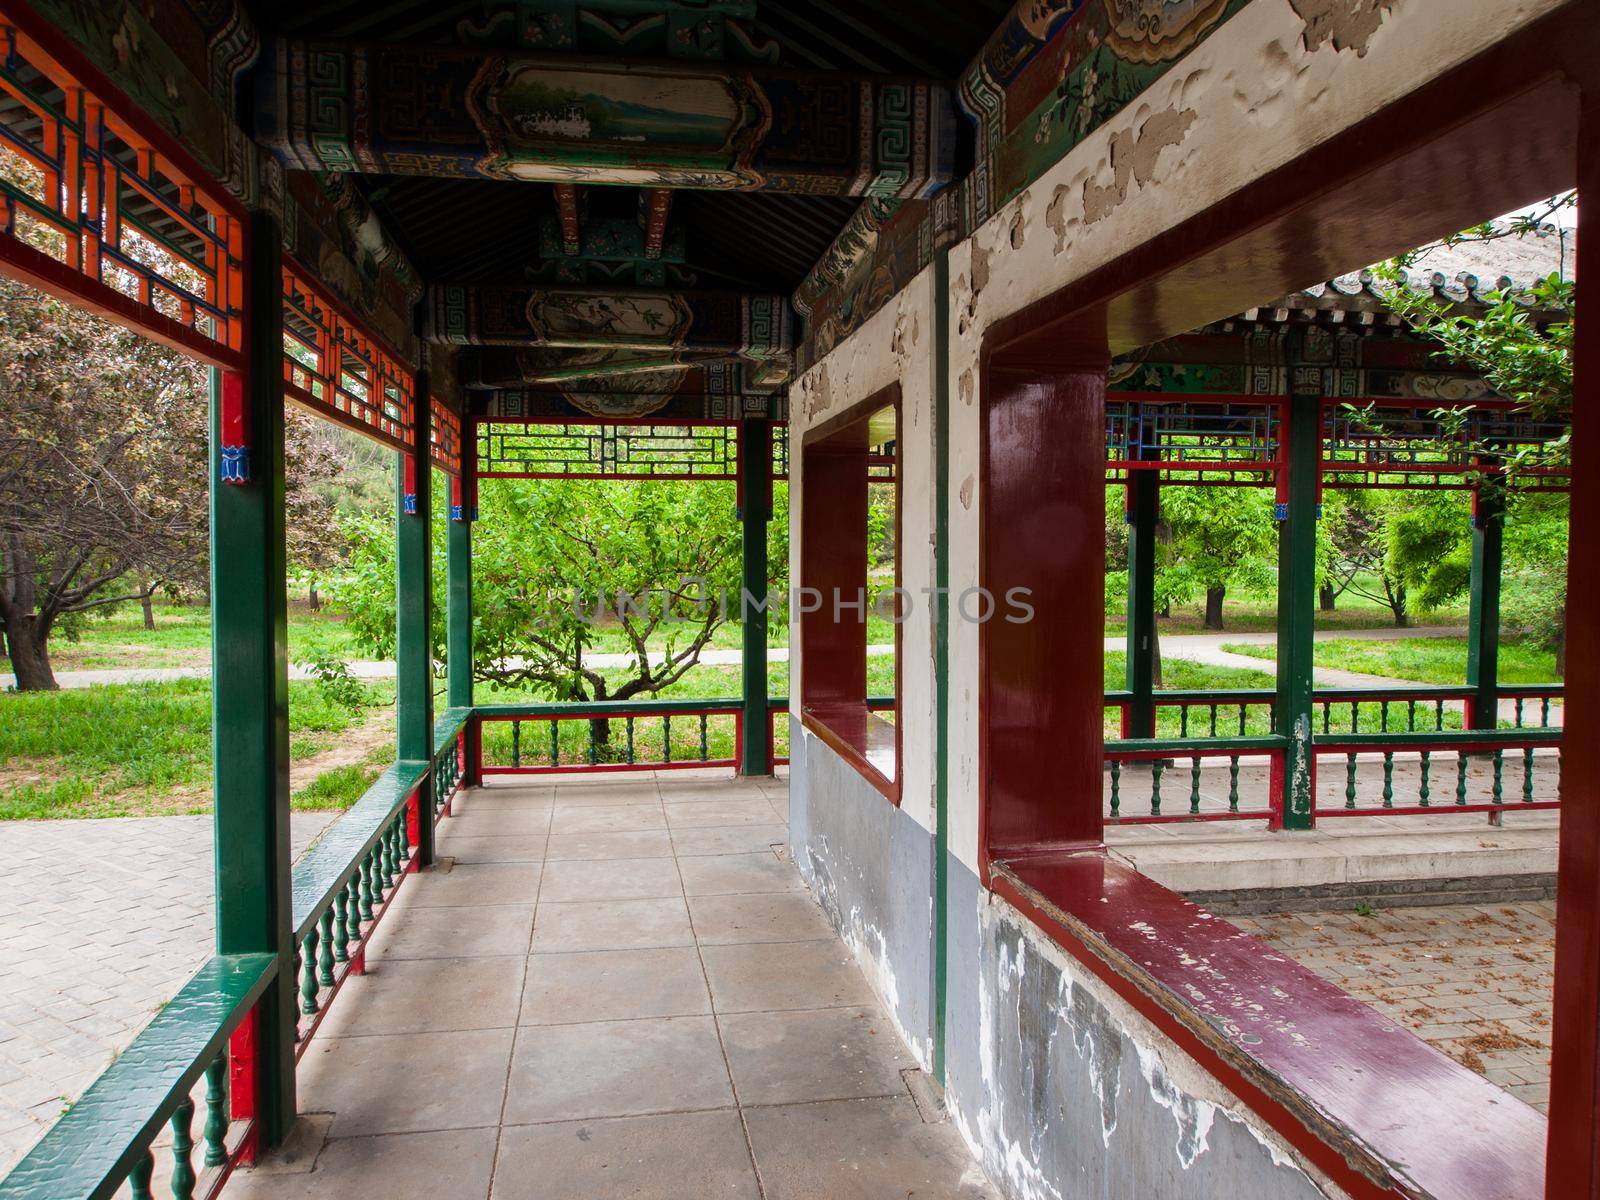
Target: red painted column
(833, 558)
(1572, 1169)
(1042, 693)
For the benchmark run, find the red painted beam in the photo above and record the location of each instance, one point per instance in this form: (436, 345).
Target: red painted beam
(836, 457)
(654, 206)
(1574, 1162)
(567, 214)
(1041, 726)
(1348, 1088)
(37, 269)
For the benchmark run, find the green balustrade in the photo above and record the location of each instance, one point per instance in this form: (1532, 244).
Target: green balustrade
(325, 949)
(341, 927)
(308, 974)
(140, 1178)
(215, 1130)
(352, 907)
(183, 1176)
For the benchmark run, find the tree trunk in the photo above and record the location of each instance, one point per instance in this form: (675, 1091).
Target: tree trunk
(1397, 605)
(147, 603)
(1326, 597)
(29, 650)
(1214, 607)
(1155, 656)
(1560, 646)
(312, 599)
(600, 735)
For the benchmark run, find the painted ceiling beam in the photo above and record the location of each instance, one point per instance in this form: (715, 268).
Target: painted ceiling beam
(617, 367)
(552, 370)
(380, 108)
(750, 325)
(587, 332)
(610, 240)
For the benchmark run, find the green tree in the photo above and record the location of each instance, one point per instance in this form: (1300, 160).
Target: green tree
(1361, 549)
(555, 562)
(1522, 344)
(1219, 536)
(103, 459)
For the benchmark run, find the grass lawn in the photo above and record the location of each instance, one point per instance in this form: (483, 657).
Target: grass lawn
(1420, 660)
(182, 638)
(1251, 612)
(136, 749)
(337, 788)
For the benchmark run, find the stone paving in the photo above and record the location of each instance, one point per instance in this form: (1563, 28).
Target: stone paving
(101, 922)
(1475, 980)
(612, 989)
(664, 909)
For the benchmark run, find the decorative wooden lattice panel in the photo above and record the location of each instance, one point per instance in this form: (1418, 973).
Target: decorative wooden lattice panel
(91, 210)
(1390, 447)
(1192, 443)
(334, 368)
(608, 450)
(444, 436)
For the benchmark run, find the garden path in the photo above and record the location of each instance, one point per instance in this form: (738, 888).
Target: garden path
(1197, 647)
(101, 921)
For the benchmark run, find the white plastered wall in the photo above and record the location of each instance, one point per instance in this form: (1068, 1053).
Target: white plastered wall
(894, 346)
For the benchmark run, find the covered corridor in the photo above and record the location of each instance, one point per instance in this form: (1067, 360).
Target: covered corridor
(1016, 258)
(613, 987)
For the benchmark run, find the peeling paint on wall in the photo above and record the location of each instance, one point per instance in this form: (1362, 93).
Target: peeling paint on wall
(1193, 1116)
(1019, 225)
(1348, 24)
(816, 397)
(1078, 1097)
(1133, 158)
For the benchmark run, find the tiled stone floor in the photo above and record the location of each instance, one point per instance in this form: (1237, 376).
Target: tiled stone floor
(612, 989)
(101, 922)
(1475, 980)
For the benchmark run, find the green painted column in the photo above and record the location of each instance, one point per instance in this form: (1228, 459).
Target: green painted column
(458, 606)
(1143, 508)
(1483, 620)
(413, 612)
(458, 597)
(941, 659)
(1297, 514)
(250, 677)
(755, 475)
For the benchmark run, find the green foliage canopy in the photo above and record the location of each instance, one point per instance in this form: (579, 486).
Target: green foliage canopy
(556, 561)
